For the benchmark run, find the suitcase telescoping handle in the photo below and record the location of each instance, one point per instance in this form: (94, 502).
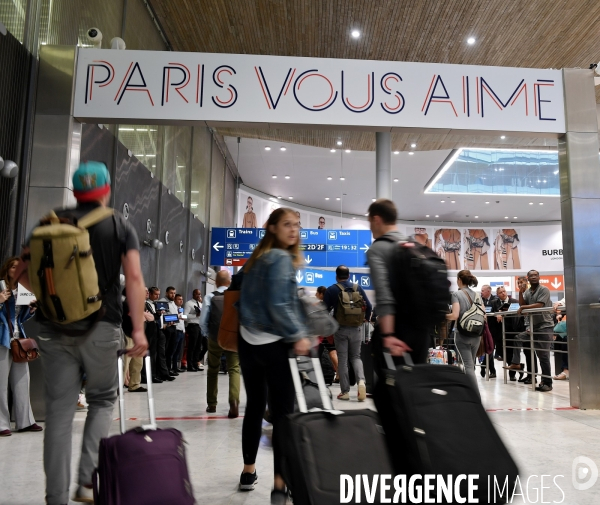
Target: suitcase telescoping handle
(388, 359)
(325, 400)
(152, 425)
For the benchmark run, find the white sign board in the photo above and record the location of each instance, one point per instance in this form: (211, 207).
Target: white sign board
(170, 86)
(24, 296)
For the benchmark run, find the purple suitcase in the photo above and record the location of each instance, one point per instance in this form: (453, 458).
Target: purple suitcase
(145, 465)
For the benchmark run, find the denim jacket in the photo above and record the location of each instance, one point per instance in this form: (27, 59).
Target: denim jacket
(269, 299)
(24, 315)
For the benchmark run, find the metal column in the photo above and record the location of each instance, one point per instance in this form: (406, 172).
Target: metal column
(383, 164)
(580, 207)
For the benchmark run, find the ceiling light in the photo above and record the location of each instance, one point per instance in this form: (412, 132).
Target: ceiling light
(539, 180)
(150, 155)
(396, 152)
(452, 201)
(332, 150)
(503, 137)
(411, 153)
(541, 203)
(125, 129)
(487, 202)
(290, 197)
(427, 215)
(141, 129)
(338, 198)
(437, 215)
(279, 198)
(326, 198)
(355, 34)
(413, 145)
(530, 203)
(556, 172)
(395, 180)
(367, 214)
(505, 217)
(476, 217)
(544, 180)
(471, 41)
(267, 148)
(443, 201)
(339, 142)
(515, 217)
(342, 178)
(329, 178)
(353, 218)
(348, 151)
(373, 199)
(287, 176)
(195, 192)
(282, 148)
(273, 177)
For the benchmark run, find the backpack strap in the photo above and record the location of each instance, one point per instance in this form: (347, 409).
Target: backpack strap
(467, 295)
(94, 217)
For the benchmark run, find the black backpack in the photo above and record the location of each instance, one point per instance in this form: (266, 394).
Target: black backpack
(419, 282)
(216, 312)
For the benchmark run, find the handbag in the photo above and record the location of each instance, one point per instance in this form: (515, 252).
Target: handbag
(229, 328)
(318, 320)
(24, 350)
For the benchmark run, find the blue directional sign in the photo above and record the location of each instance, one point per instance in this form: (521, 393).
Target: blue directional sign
(321, 248)
(311, 278)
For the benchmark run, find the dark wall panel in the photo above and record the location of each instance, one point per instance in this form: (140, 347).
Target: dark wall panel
(135, 186)
(196, 268)
(172, 261)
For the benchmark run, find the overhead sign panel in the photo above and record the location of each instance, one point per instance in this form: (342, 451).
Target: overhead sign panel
(321, 248)
(311, 278)
(169, 87)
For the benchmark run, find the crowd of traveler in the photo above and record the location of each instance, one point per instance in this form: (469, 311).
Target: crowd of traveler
(272, 325)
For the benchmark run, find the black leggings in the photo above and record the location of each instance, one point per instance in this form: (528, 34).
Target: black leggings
(266, 371)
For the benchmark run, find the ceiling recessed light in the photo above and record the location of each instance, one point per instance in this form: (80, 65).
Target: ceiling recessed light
(411, 153)
(367, 214)
(503, 137)
(326, 198)
(353, 218)
(282, 148)
(544, 180)
(505, 217)
(332, 150)
(471, 41)
(273, 177)
(329, 178)
(287, 176)
(426, 215)
(267, 148)
(291, 197)
(413, 145)
(355, 34)
(541, 203)
(342, 178)
(437, 215)
(279, 197)
(396, 180)
(339, 142)
(539, 180)
(396, 152)
(487, 203)
(515, 217)
(338, 198)
(452, 201)
(530, 203)
(373, 199)
(348, 151)
(476, 217)
(443, 201)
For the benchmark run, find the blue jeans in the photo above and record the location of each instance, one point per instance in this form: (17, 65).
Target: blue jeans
(177, 351)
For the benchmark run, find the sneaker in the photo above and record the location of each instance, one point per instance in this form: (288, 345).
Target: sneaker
(362, 391)
(343, 396)
(200, 367)
(562, 376)
(84, 495)
(544, 388)
(81, 407)
(248, 481)
(278, 497)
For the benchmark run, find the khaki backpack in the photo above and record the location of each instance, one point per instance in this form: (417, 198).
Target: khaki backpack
(62, 272)
(351, 307)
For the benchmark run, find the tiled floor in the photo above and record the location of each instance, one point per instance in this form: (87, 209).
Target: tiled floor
(543, 438)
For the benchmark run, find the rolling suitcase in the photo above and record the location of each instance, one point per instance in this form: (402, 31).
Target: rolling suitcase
(310, 386)
(321, 445)
(142, 466)
(435, 424)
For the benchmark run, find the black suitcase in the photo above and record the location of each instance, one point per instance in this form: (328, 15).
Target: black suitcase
(322, 445)
(310, 386)
(366, 356)
(435, 424)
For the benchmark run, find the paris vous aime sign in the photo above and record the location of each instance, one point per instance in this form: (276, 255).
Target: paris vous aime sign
(171, 87)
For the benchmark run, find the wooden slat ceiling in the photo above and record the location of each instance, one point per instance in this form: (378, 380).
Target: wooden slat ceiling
(514, 33)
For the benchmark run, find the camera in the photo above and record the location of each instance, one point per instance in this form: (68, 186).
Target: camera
(95, 37)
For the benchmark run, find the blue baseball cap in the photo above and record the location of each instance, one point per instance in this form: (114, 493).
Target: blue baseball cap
(91, 181)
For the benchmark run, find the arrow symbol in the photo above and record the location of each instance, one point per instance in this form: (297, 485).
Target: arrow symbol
(354, 279)
(308, 260)
(365, 248)
(556, 284)
(299, 276)
(216, 247)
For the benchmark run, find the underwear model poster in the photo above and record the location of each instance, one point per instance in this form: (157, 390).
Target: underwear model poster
(447, 243)
(506, 249)
(476, 248)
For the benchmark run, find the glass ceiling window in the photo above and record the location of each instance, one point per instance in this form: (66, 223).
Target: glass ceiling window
(498, 172)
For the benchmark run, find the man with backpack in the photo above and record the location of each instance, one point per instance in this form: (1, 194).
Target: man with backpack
(210, 321)
(351, 308)
(75, 257)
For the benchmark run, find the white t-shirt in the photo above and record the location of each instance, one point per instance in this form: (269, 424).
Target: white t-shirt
(258, 338)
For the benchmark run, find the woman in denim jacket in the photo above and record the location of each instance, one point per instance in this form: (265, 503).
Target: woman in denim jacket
(12, 317)
(271, 323)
